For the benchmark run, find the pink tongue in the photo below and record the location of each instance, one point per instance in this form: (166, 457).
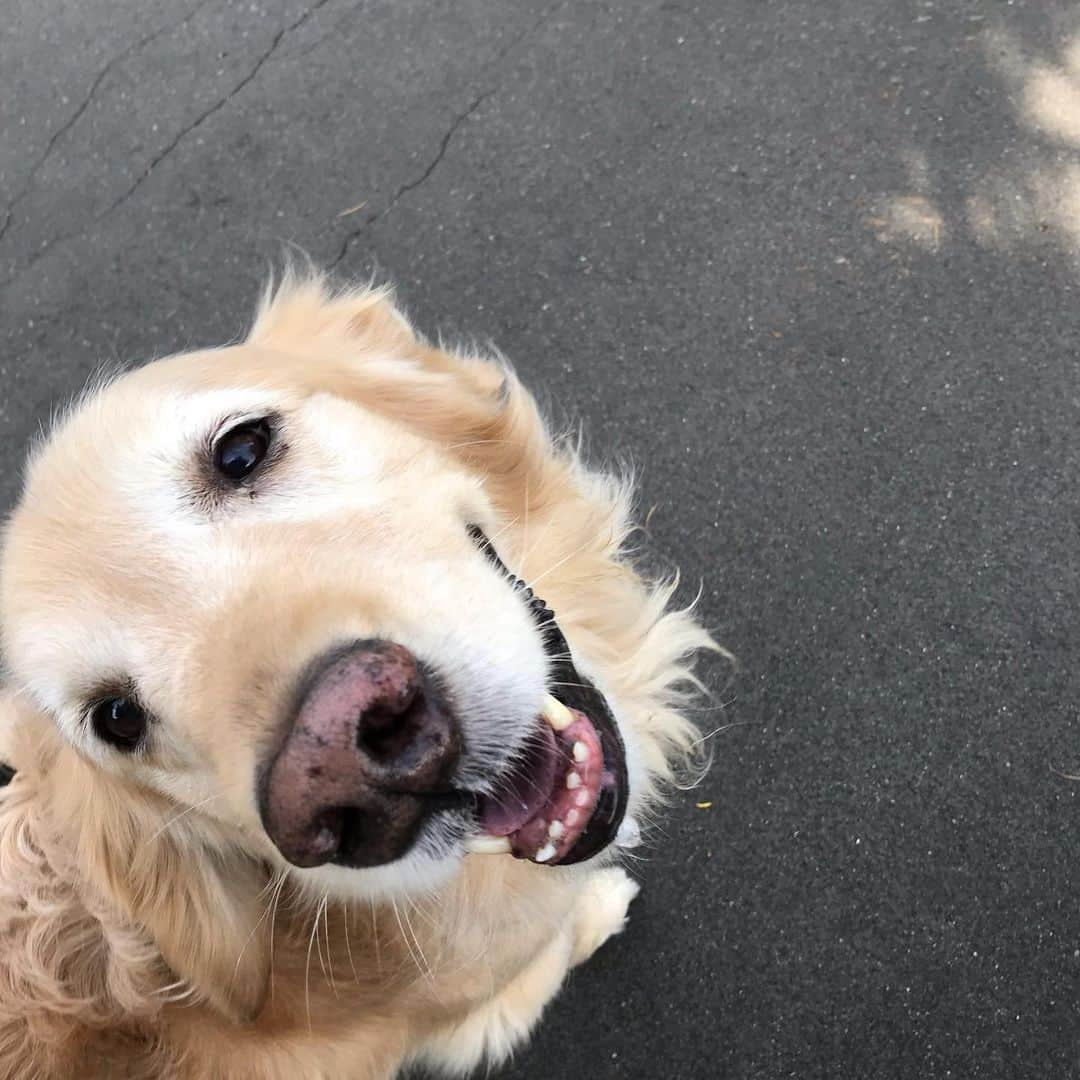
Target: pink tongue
(525, 791)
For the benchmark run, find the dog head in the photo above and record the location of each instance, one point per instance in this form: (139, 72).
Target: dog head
(277, 606)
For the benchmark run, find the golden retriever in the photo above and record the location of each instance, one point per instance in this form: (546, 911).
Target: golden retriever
(309, 780)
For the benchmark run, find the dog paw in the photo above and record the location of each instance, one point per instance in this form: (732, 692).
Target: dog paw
(492, 1031)
(601, 910)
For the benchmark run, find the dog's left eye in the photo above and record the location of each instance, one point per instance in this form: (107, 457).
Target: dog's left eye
(240, 451)
(119, 721)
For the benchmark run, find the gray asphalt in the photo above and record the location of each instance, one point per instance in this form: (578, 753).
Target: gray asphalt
(812, 268)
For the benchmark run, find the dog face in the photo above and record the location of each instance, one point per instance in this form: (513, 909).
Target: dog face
(272, 588)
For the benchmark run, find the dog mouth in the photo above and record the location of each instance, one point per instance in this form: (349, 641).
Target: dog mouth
(564, 799)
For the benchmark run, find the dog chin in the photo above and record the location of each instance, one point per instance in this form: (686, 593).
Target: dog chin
(428, 866)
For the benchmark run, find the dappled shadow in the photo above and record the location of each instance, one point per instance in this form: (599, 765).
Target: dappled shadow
(1029, 198)
(912, 216)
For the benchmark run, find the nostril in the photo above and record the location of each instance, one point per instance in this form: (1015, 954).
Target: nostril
(327, 829)
(372, 746)
(385, 733)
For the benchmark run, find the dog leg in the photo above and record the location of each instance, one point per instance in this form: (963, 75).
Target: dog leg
(601, 910)
(491, 1032)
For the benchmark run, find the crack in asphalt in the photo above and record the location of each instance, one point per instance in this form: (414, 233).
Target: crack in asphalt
(216, 107)
(74, 118)
(173, 144)
(328, 35)
(264, 57)
(444, 143)
(412, 184)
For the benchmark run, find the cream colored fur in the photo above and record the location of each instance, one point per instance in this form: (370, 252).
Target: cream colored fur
(147, 926)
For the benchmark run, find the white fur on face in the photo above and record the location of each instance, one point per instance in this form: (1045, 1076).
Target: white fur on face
(396, 518)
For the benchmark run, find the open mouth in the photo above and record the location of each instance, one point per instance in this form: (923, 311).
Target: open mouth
(564, 799)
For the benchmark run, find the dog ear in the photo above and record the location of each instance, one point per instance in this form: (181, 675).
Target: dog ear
(355, 332)
(203, 910)
(300, 312)
(69, 960)
(203, 904)
(357, 345)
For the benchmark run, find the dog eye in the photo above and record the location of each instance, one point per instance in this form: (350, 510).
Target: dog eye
(120, 722)
(240, 451)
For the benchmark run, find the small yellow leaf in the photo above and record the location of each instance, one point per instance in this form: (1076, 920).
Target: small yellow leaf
(704, 805)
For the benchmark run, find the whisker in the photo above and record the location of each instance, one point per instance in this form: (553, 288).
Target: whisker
(348, 947)
(551, 569)
(416, 942)
(329, 956)
(507, 526)
(720, 730)
(419, 909)
(476, 442)
(536, 543)
(318, 937)
(254, 931)
(273, 924)
(183, 813)
(375, 936)
(420, 967)
(168, 988)
(307, 970)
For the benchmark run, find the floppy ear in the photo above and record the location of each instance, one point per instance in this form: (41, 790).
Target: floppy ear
(300, 312)
(203, 910)
(203, 904)
(361, 332)
(356, 344)
(69, 960)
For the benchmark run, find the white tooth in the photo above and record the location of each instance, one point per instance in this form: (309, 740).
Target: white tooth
(488, 845)
(582, 798)
(581, 751)
(545, 853)
(556, 713)
(572, 780)
(629, 834)
(556, 829)
(572, 817)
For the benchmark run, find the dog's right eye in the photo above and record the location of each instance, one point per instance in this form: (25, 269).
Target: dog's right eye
(119, 721)
(240, 451)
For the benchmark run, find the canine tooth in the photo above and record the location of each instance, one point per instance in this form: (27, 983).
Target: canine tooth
(545, 853)
(556, 829)
(572, 817)
(572, 780)
(629, 834)
(582, 798)
(488, 845)
(556, 713)
(581, 751)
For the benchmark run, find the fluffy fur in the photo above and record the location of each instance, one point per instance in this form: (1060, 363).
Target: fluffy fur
(147, 928)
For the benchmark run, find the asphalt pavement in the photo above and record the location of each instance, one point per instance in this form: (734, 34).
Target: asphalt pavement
(811, 267)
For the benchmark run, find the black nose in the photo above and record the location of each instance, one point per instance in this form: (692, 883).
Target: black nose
(370, 743)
